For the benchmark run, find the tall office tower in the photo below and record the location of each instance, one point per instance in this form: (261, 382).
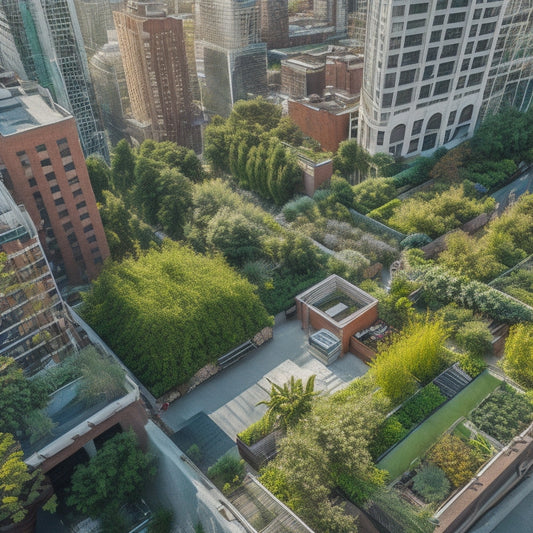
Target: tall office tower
(9, 55)
(155, 63)
(234, 59)
(42, 164)
(275, 23)
(510, 77)
(357, 21)
(34, 327)
(334, 11)
(426, 68)
(48, 39)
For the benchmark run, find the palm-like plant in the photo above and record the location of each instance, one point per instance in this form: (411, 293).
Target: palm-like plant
(289, 402)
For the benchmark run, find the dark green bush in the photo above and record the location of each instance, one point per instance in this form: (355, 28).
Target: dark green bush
(419, 171)
(227, 470)
(475, 338)
(300, 206)
(256, 431)
(472, 364)
(419, 406)
(431, 483)
(383, 213)
(390, 432)
(415, 240)
(162, 521)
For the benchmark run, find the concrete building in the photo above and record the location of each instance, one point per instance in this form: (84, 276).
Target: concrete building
(303, 75)
(153, 51)
(234, 58)
(42, 164)
(275, 23)
(426, 70)
(49, 42)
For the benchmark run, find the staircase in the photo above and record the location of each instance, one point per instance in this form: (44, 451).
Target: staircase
(452, 381)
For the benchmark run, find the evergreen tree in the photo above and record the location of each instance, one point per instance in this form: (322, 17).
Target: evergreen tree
(122, 167)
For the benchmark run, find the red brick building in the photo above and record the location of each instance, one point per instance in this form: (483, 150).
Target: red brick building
(302, 76)
(328, 120)
(43, 166)
(345, 72)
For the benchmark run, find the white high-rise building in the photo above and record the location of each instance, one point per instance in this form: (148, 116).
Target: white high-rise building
(427, 65)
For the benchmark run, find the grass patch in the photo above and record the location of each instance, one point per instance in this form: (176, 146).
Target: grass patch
(422, 438)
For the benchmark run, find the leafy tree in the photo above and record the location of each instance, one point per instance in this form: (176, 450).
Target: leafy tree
(100, 176)
(216, 144)
(351, 159)
(254, 114)
(448, 168)
(289, 402)
(373, 193)
(147, 174)
(299, 255)
(17, 397)
(341, 191)
(431, 483)
(122, 167)
(167, 314)
(518, 359)
(114, 476)
(383, 164)
(287, 131)
(19, 488)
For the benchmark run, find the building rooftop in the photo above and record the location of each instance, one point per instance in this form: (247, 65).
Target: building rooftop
(22, 110)
(334, 101)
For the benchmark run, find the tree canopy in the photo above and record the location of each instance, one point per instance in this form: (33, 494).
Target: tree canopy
(167, 314)
(518, 359)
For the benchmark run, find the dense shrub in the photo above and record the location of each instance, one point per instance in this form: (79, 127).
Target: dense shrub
(518, 361)
(372, 193)
(419, 171)
(471, 364)
(475, 338)
(256, 431)
(301, 206)
(419, 406)
(415, 240)
(228, 470)
(431, 483)
(348, 264)
(383, 213)
(458, 460)
(503, 414)
(172, 312)
(518, 284)
(387, 435)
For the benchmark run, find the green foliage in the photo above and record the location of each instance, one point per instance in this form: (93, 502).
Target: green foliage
(126, 234)
(383, 213)
(518, 361)
(122, 167)
(100, 176)
(490, 174)
(518, 284)
(504, 414)
(415, 240)
(341, 191)
(227, 470)
(431, 483)
(471, 364)
(114, 476)
(436, 215)
(348, 264)
(387, 435)
(18, 397)
(456, 458)
(289, 402)
(256, 431)
(475, 338)
(162, 521)
(419, 171)
(38, 425)
(420, 406)
(351, 158)
(300, 206)
(194, 453)
(416, 354)
(167, 314)
(147, 173)
(372, 193)
(444, 287)
(19, 487)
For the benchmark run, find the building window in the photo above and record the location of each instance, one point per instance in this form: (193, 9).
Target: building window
(387, 100)
(63, 214)
(77, 192)
(446, 68)
(395, 43)
(46, 162)
(69, 166)
(449, 50)
(477, 14)
(453, 18)
(441, 87)
(413, 146)
(95, 250)
(416, 9)
(438, 20)
(398, 11)
(487, 28)
(451, 118)
(466, 114)
(397, 27)
(474, 79)
(92, 238)
(453, 33)
(434, 122)
(67, 226)
(390, 80)
(392, 61)
(459, 3)
(381, 138)
(407, 76)
(479, 61)
(59, 201)
(50, 176)
(84, 216)
(491, 12)
(397, 134)
(404, 97)
(428, 72)
(88, 228)
(65, 152)
(74, 180)
(466, 64)
(32, 182)
(435, 36)
(410, 58)
(469, 47)
(418, 23)
(461, 82)
(413, 40)
(442, 4)
(41, 148)
(97, 260)
(62, 141)
(473, 30)
(54, 189)
(425, 91)
(81, 204)
(482, 45)
(429, 142)
(432, 54)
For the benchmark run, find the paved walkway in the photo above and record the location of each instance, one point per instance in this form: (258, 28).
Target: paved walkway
(230, 398)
